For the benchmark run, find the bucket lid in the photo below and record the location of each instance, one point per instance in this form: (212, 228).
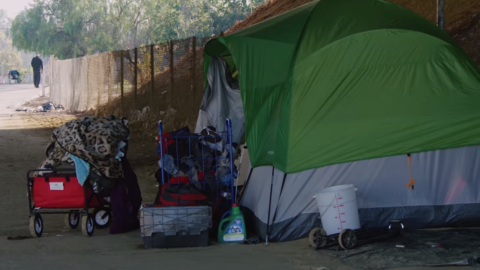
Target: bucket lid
(336, 188)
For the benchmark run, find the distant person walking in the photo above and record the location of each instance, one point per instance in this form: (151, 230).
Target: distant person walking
(37, 66)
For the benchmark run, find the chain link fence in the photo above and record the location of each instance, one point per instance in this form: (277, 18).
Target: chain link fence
(155, 79)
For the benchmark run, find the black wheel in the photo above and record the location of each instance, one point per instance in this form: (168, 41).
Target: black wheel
(395, 228)
(36, 226)
(317, 238)
(72, 219)
(87, 225)
(101, 217)
(347, 239)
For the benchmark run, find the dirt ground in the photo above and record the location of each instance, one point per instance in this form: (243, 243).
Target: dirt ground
(23, 138)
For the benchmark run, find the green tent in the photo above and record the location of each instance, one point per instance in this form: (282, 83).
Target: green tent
(336, 81)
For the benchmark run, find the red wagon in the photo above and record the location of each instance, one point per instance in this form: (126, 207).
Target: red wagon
(57, 191)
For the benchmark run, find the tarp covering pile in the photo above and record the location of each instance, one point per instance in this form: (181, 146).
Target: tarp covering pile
(95, 140)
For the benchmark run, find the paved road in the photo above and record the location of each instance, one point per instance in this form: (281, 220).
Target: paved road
(14, 95)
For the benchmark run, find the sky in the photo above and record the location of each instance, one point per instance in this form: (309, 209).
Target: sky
(13, 7)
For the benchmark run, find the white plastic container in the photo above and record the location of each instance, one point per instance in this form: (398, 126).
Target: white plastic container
(338, 208)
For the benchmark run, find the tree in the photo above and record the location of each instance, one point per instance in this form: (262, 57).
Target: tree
(9, 57)
(65, 28)
(73, 28)
(178, 19)
(5, 22)
(127, 20)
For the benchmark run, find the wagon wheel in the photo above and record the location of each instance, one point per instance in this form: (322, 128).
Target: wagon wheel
(101, 217)
(36, 225)
(395, 228)
(347, 239)
(72, 219)
(317, 238)
(87, 225)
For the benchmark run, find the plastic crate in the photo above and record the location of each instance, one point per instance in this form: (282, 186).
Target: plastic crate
(179, 226)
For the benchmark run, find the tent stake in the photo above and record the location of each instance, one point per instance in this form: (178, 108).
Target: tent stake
(269, 207)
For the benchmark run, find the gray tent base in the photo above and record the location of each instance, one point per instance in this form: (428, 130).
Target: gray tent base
(413, 217)
(445, 194)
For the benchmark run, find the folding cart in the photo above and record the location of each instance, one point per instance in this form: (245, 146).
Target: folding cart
(348, 239)
(195, 188)
(57, 191)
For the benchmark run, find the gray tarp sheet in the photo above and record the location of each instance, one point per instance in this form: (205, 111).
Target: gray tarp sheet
(221, 101)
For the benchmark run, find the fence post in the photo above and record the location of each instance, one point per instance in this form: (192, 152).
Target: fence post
(99, 79)
(171, 72)
(50, 83)
(121, 80)
(72, 101)
(111, 63)
(152, 72)
(42, 82)
(135, 74)
(441, 13)
(50, 77)
(194, 60)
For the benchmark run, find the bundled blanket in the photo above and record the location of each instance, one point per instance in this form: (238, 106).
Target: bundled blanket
(95, 140)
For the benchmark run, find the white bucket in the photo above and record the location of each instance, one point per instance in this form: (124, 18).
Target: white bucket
(338, 208)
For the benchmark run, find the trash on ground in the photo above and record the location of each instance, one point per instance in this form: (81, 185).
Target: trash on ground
(453, 247)
(46, 107)
(19, 237)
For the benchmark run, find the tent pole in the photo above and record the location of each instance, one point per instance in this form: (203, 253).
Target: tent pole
(269, 207)
(279, 196)
(245, 185)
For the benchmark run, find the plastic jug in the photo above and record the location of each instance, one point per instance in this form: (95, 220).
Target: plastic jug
(232, 226)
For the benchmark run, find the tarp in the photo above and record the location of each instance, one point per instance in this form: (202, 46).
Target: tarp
(337, 81)
(221, 100)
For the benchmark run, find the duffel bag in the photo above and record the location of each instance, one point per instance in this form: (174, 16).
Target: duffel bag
(181, 195)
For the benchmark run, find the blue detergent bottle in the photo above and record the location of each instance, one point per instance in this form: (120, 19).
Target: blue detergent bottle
(232, 227)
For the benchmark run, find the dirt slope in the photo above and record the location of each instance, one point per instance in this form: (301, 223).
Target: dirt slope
(462, 18)
(459, 14)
